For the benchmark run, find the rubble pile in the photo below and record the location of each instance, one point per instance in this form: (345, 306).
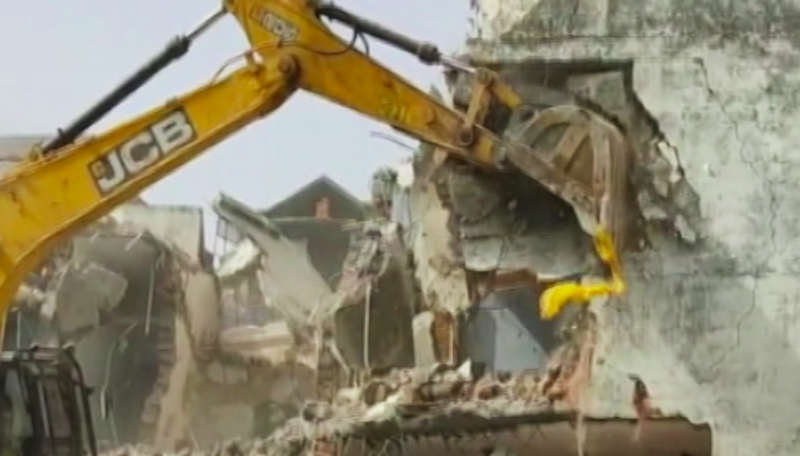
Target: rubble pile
(136, 295)
(376, 301)
(383, 348)
(412, 404)
(118, 311)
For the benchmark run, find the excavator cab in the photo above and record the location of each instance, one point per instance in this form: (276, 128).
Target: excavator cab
(44, 408)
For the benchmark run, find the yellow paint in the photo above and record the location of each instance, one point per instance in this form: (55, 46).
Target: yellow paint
(391, 109)
(556, 297)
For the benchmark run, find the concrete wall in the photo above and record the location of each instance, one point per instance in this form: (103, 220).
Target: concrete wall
(711, 322)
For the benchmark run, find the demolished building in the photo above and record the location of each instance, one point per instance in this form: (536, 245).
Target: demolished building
(137, 297)
(114, 292)
(289, 258)
(429, 341)
(702, 91)
(482, 373)
(705, 333)
(179, 354)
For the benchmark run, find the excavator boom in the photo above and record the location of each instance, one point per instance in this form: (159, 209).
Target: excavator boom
(71, 182)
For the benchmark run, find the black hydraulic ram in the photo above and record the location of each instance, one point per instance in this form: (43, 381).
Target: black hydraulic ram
(425, 51)
(174, 50)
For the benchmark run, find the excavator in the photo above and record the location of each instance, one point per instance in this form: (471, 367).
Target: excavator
(75, 178)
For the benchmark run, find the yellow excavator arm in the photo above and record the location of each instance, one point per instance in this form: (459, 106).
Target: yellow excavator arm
(69, 183)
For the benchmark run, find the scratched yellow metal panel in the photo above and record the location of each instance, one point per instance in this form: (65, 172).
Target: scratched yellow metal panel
(353, 79)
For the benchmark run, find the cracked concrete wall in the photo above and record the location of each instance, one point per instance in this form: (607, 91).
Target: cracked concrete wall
(711, 322)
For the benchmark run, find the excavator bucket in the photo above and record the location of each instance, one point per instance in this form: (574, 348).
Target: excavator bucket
(575, 153)
(589, 152)
(591, 156)
(571, 151)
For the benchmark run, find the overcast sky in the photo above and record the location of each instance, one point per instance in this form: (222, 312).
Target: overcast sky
(60, 56)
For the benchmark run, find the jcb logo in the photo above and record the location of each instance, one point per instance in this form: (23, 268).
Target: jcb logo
(276, 25)
(141, 151)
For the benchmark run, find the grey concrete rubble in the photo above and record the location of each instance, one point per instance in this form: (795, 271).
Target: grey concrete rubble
(389, 340)
(418, 210)
(377, 299)
(290, 283)
(136, 296)
(550, 438)
(84, 290)
(441, 410)
(179, 227)
(278, 297)
(119, 312)
(506, 225)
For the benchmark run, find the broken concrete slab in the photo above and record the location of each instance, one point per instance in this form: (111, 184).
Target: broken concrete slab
(551, 255)
(376, 300)
(441, 279)
(239, 261)
(137, 265)
(84, 290)
(651, 210)
(202, 304)
(180, 227)
(117, 360)
(272, 343)
(288, 280)
(424, 344)
(326, 240)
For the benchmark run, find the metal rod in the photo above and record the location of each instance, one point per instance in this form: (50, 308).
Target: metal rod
(84, 397)
(367, 318)
(150, 293)
(175, 49)
(457, 64)
(206, 23)
(19, 328)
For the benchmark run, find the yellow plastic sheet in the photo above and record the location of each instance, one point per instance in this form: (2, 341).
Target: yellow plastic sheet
(559, 295)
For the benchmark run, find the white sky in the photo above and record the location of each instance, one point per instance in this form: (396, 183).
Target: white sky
(61, 56)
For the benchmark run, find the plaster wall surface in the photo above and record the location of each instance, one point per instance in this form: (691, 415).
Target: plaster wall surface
(711, 323)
